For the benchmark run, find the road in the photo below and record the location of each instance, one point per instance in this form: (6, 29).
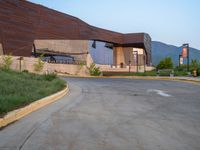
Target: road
(112, 114)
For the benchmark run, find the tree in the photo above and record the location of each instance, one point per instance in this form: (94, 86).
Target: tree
(38, 67)
(194, 64)
(7, 62)
(166, 63)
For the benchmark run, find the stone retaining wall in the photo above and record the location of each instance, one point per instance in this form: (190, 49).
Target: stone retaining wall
(28, 64)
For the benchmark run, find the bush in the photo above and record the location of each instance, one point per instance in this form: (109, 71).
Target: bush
(25, 71)
(150, 73)
(182, 68)
(7, 62)
(50, 76)
(147, 73)
(165, 72)
(165, 64)
(94, 71)
(180, 73)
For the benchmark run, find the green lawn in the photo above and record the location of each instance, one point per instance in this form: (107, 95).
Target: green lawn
(147, 73)
(19, 89)
(165, 73)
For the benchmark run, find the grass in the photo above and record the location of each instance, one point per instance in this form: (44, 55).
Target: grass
(18, 89)
(165, 73)
(161, 73)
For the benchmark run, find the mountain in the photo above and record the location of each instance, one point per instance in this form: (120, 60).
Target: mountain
(161, 50)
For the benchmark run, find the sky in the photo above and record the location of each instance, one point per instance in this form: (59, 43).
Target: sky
(170, 21)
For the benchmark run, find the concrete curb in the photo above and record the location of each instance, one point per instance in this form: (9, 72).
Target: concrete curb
(22, 112)
(179, 79)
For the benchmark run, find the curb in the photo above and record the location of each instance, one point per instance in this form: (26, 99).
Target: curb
(137, 77)
(22, 112)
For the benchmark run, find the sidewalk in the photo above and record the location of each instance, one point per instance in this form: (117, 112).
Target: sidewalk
(189, 78)
(186, 79)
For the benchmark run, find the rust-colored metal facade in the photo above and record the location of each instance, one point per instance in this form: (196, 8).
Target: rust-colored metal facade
(21, 22)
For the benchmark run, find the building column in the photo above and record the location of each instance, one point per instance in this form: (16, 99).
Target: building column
(118, 56)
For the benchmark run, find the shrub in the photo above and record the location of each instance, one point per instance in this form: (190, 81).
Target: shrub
(25, 71)
(38, 67)
(94, 71)
(7, 62)
(165, 72)
(150, 73)
(147, 73)
(180, 73)
(182, 68)
(50, 76)
(165, 64)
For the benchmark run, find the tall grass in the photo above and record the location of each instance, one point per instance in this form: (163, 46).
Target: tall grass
(18, 89)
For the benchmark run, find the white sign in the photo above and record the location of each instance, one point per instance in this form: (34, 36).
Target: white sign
(181, 60)
(139, 50)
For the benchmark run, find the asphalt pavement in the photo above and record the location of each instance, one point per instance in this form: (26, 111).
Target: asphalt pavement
(112, 114)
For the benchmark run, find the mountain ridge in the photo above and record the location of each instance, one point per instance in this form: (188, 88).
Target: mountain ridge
(160, 50)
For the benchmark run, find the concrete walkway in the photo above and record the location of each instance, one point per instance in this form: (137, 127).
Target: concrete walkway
(189, 78)
(112, 114)
(197, 79)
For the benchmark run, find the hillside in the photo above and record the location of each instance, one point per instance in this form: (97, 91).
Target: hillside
(161, 50)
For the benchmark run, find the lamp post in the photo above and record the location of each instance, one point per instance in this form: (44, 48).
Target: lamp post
(129, 70)
(144, 62)
(136, 57)
(20, 63)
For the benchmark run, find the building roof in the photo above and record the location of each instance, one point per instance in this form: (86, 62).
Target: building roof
(22, 22)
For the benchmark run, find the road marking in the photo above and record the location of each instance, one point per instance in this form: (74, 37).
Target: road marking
(159, 92)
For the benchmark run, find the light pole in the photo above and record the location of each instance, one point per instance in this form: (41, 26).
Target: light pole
(20, 63)
(129, 70)
(136, 57)
(144, 62)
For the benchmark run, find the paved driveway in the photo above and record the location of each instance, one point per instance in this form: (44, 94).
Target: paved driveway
(113, 114)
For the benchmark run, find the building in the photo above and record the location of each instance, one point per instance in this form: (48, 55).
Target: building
(27, 28)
